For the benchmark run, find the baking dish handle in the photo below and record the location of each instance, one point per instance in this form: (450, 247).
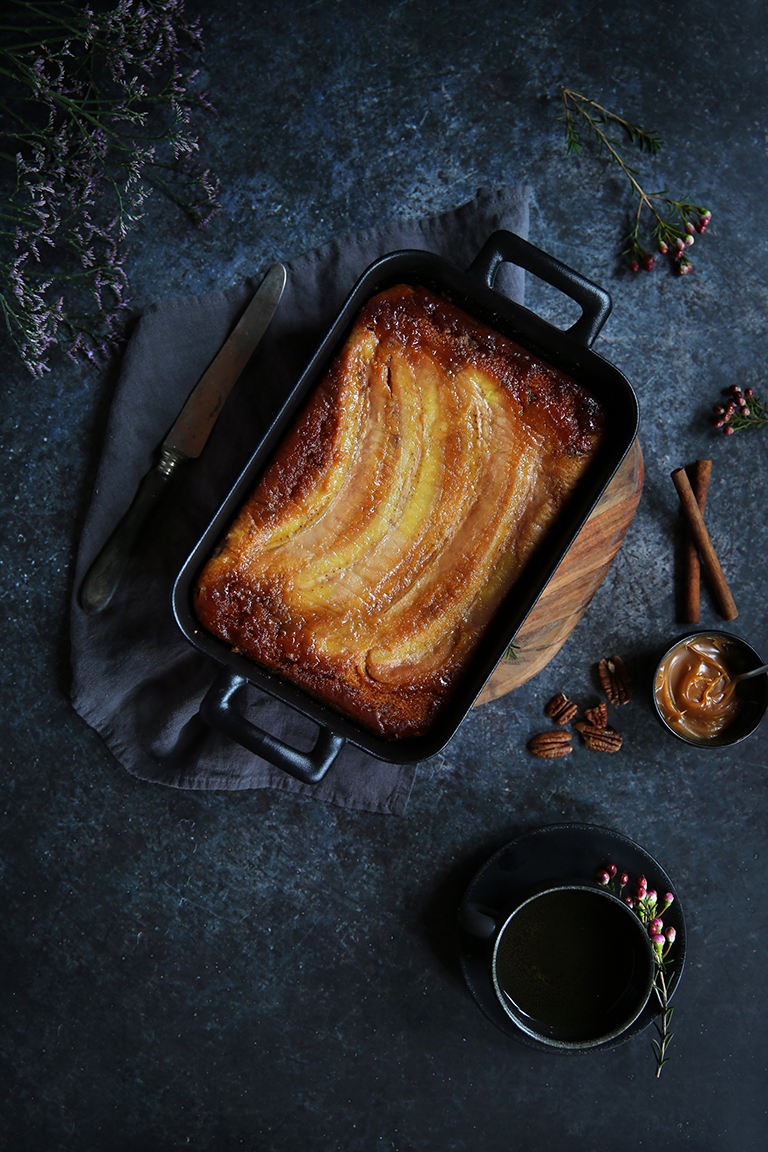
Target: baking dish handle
(218, 711)
(595, 302)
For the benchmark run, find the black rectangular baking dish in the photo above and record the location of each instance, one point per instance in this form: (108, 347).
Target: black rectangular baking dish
(569, 350)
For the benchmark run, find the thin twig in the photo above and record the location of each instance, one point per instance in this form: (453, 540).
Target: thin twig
(673, 222)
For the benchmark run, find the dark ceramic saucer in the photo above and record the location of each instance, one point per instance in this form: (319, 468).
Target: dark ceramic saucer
(557, 854)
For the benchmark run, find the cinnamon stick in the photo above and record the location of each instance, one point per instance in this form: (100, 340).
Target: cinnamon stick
(703, 543)
(699, 477)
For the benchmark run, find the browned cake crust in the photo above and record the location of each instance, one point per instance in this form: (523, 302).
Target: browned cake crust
(398, 512)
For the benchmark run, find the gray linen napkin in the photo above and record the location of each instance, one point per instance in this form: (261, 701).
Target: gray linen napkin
(136, 680)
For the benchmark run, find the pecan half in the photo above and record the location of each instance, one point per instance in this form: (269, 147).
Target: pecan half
(615, 680)
(548, 745)
(561, 708)
(597, 716)
(599, 739)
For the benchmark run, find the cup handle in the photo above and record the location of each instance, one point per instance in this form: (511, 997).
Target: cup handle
(478, 920)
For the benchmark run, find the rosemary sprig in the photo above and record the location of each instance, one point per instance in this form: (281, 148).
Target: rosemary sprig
(95, 112)
(670, 223)
(661, 1025)
(579, 108)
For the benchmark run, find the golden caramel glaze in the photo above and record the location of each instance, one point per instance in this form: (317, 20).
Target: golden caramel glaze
(695, 687)
(399, 511)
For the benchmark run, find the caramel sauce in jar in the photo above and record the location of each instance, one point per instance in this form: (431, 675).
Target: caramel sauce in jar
(695, 689)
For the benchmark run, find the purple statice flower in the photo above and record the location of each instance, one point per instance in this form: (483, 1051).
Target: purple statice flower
(109, 99)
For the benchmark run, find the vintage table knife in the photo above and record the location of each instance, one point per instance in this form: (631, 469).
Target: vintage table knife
(185, 440)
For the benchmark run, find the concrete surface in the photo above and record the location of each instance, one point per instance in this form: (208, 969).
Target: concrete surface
(221, 971)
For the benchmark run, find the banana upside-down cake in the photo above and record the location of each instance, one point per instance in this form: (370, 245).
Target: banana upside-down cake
(399, 511)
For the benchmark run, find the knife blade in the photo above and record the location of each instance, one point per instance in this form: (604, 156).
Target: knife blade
(185, 440)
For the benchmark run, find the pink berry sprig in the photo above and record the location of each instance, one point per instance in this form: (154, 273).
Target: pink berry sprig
(740, 409)
(662, 226)
(650, 908)
(672, 238)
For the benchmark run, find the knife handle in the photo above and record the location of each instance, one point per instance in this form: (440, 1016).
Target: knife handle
(107, 570)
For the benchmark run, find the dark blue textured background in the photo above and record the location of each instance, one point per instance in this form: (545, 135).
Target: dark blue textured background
(222, 971)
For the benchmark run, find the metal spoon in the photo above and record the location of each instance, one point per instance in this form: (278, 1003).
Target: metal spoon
(749, 675)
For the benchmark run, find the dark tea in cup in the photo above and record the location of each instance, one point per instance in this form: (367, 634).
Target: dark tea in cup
(573, 966)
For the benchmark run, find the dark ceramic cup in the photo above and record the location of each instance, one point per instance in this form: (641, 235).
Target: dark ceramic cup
(571, 965)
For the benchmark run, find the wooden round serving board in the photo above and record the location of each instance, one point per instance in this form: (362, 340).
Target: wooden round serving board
(577, 578)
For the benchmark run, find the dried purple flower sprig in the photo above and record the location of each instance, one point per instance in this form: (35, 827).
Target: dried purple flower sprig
(95, 110)
(650, 908)
(742, 409)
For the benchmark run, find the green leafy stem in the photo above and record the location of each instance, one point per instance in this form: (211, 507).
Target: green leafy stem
(673, 223)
